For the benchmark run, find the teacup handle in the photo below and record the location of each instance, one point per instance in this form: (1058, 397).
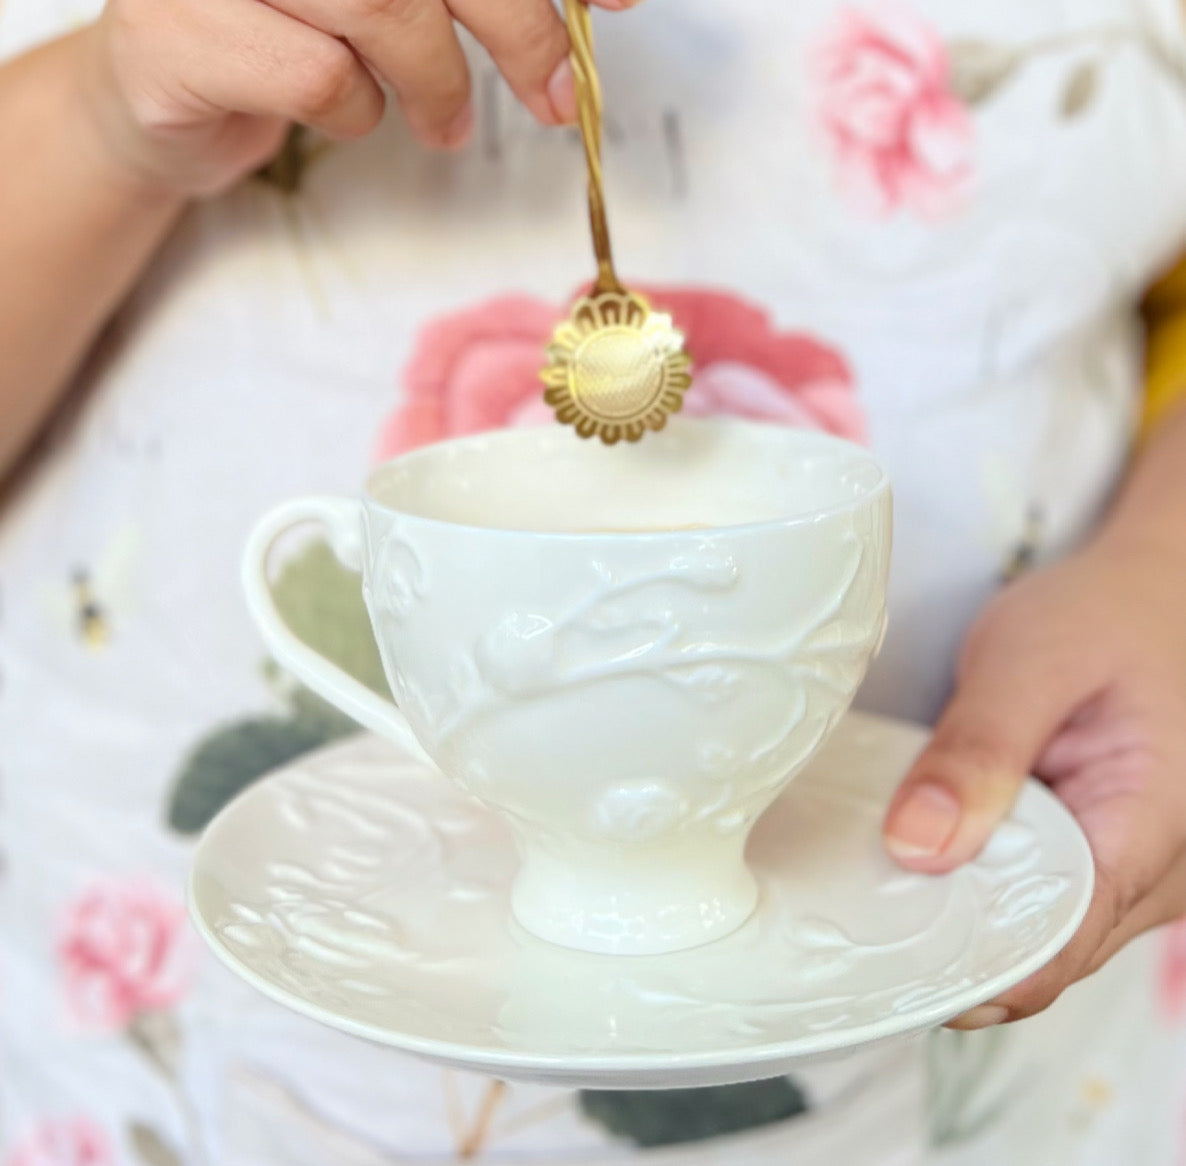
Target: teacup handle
(342, 518)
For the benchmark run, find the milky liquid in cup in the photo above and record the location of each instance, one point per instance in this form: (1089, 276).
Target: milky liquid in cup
(647, 529)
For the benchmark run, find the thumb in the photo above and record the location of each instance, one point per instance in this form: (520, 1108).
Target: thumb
(1006, 707)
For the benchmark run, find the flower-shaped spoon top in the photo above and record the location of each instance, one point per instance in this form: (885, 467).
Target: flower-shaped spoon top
(615, 367)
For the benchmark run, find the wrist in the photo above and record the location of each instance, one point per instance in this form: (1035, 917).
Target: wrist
(1141, 547)
(107, 140)
(1139, 566)
(1147, 520)
(1144, 529)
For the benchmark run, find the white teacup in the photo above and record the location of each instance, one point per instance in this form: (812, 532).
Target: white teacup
(627, 652)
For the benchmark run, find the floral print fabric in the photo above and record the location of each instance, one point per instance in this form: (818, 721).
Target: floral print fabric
(912, 225)
(900, 138)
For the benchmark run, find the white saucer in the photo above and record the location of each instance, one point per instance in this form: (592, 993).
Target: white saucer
(364, 890)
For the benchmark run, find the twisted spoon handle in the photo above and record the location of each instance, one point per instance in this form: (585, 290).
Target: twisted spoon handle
(588, 86)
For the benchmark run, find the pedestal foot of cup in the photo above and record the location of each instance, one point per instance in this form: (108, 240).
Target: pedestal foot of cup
(636, 901)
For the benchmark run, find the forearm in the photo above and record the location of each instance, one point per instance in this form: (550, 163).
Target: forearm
(76, 231)
(1149, 514)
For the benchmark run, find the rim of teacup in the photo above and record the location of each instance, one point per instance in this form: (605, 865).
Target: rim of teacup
(813, 436)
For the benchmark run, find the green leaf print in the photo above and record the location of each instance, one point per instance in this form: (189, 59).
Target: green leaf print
(150, 1148)
(962, 1099)
(1081, 90)
(157, 1036)
(670, 1117)
(232, 758)
(322, 603)
(286, 171)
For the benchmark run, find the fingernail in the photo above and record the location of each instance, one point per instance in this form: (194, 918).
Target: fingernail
(458, 131)
(562, 93)
(924, 822)
(983, 1016)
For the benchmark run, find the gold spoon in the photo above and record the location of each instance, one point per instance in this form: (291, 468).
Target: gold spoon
(616, 368)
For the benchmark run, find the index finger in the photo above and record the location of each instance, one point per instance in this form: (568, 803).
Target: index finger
(529, 44)
(412, 45)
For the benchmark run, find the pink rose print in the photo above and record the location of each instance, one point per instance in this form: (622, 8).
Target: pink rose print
(75, 1142)
(478, 369)
(899, 136)
(124, 949)
(1173, 973)
(471, 371)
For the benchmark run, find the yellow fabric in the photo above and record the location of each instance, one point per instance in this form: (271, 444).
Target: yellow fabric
(1165, 369)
